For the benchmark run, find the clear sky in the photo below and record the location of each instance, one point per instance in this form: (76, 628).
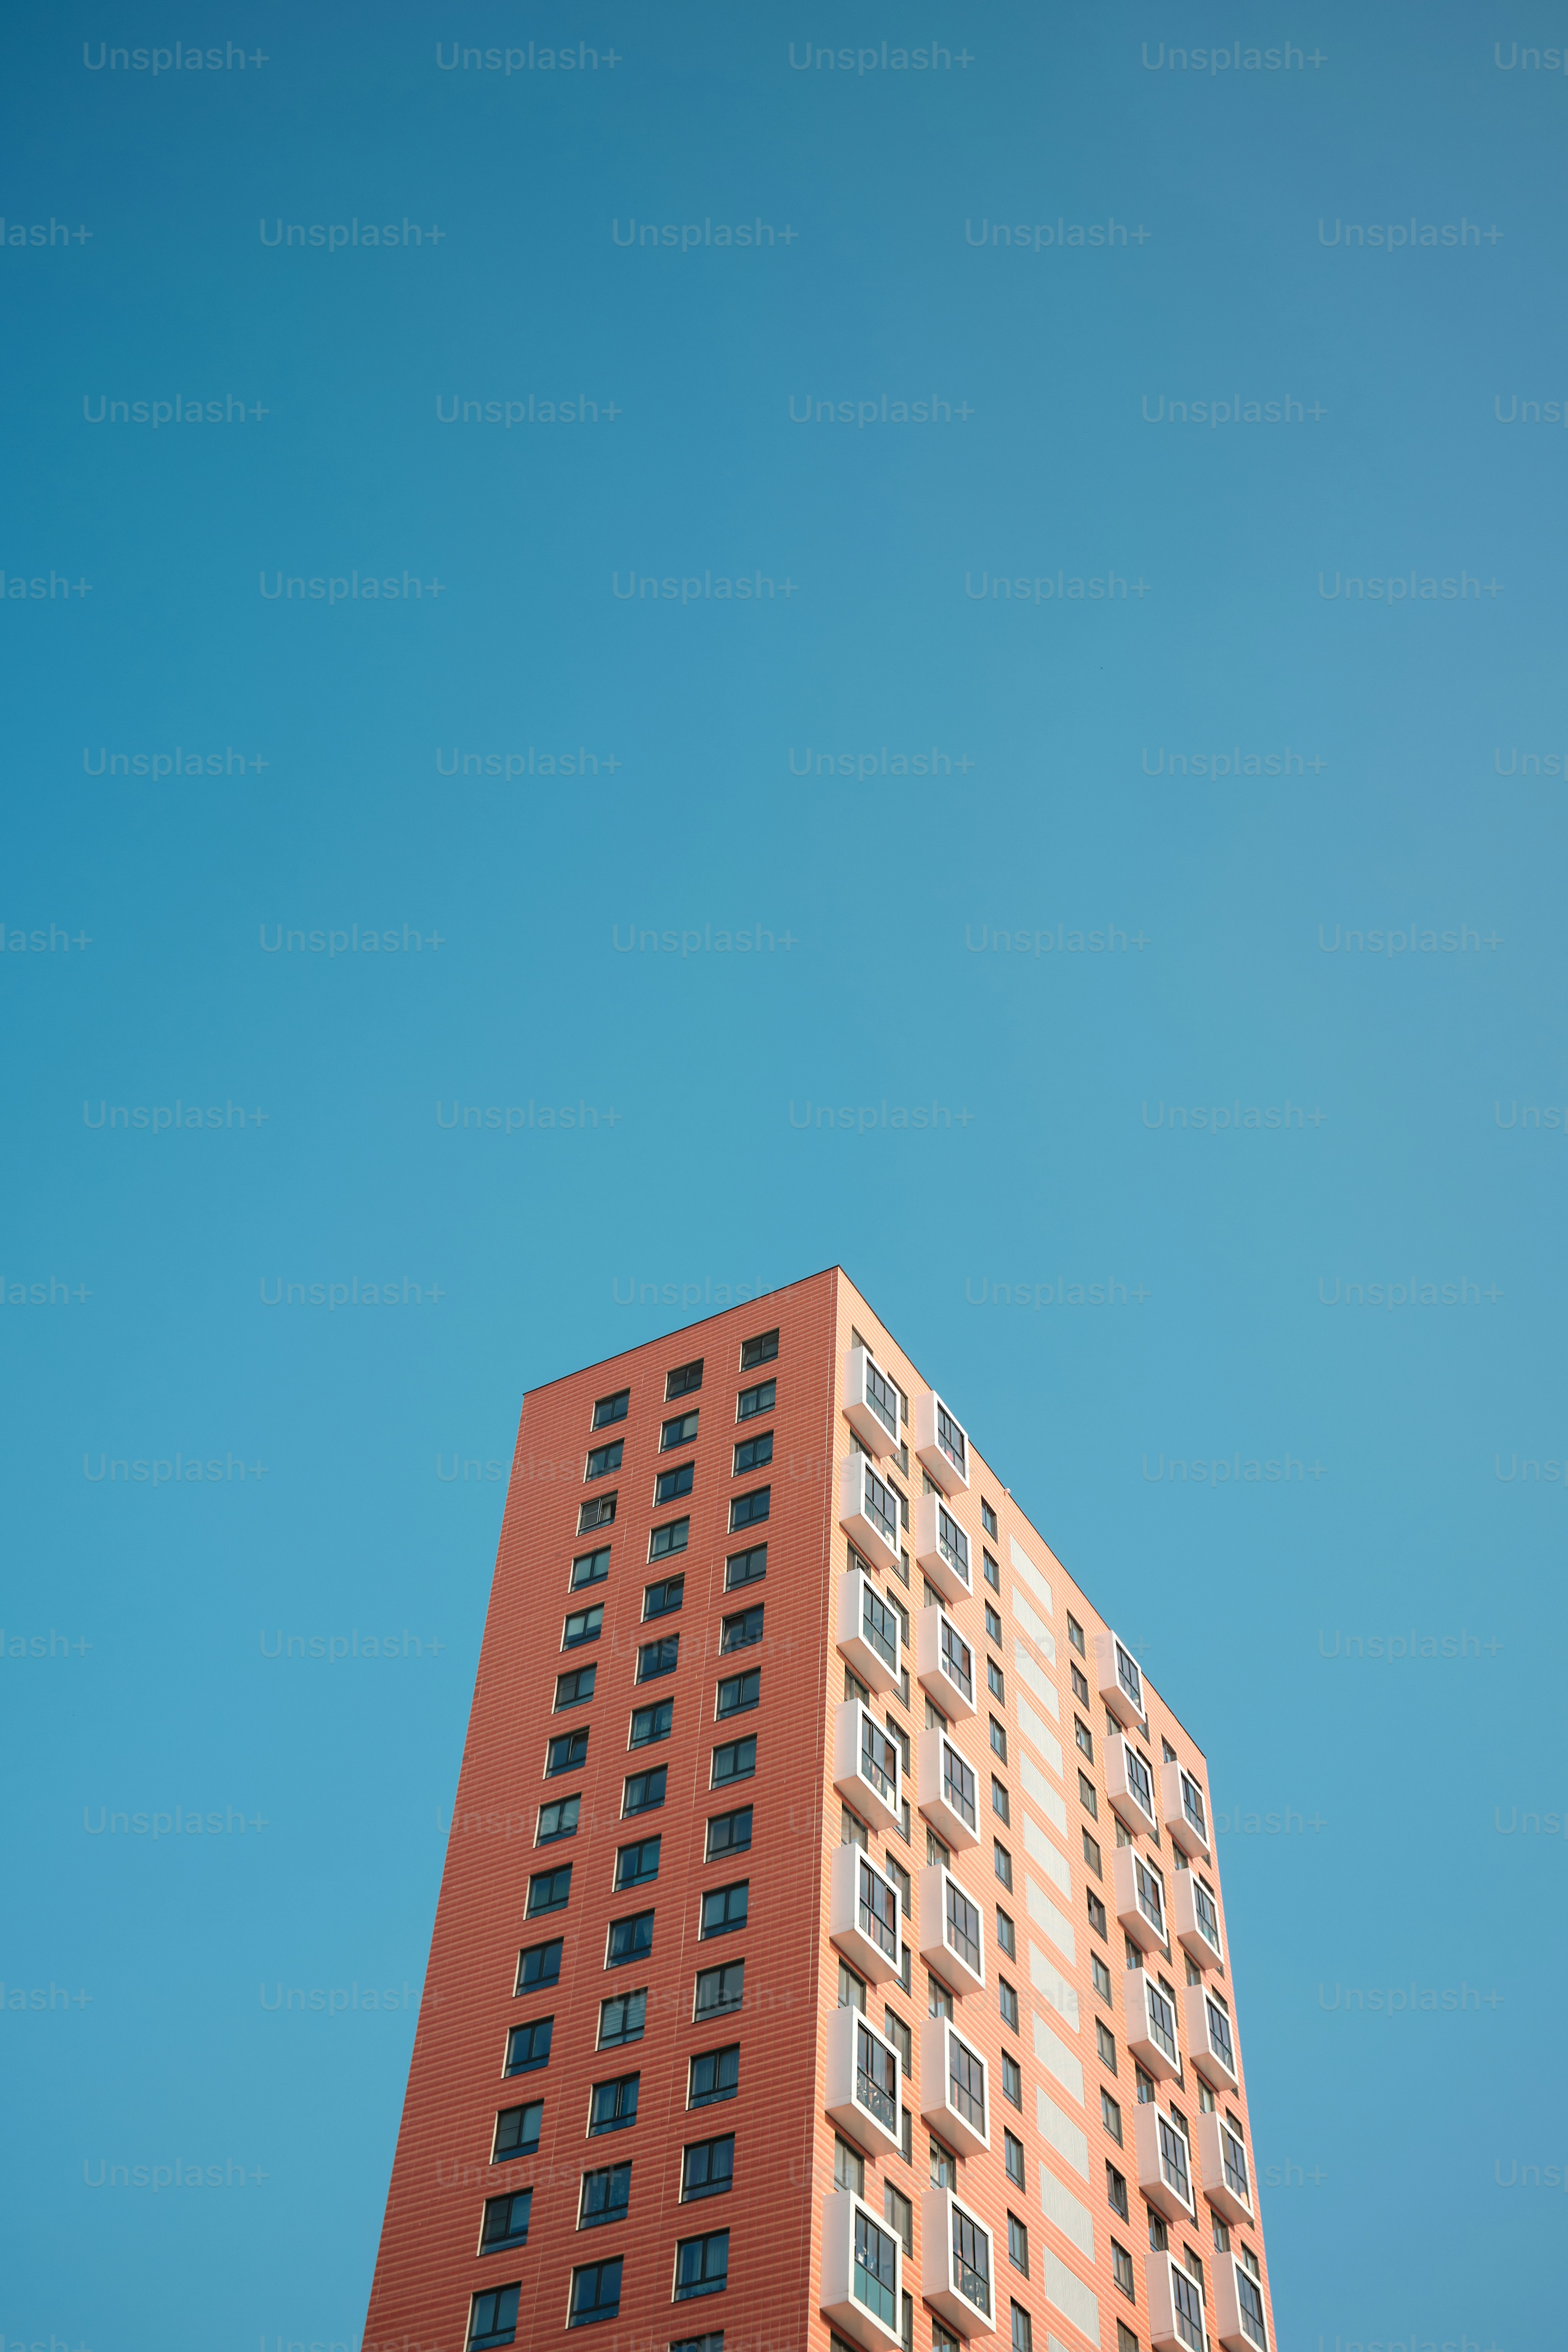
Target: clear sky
(1210, 907)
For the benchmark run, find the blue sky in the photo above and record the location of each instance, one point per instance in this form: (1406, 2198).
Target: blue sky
(1408, 817)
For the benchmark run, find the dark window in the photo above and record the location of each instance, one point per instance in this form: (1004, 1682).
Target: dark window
(1086, 1795)
(998, 1739)
(614, 2105)
(993, 1626)
(548, 1890)
(1111, 2117)
(672, 1537)
(1023, 2330)
(745, 1566)
(739, 1692)
(590, 1568)
(606, 2196)
(1002, 1862)
(901, 2036)
(736, 1761)
(558, 1819)
(599, 1513)
(1012, 2081)
(1093, 1855)
(680, 1431)
(999, 1804)
(1008, 2000)
(701, 2343)
(506, 2221)
(1105, 2042)
(582, 1625)
(611, 1409)
(753, 1454)
(684, 1380)
(567, 1752)
(993, 1573)
(636, 1864)
(725, 1910)
(663, 1599)
(528, 2046)
(492, 2318)
(603, 1459)
(987, 1518)
(1018, 2244)
(995, 1681)
(517, 2131)
(747, 1509)
(539, 1965)
(651, 1723)
(752, 1402)
(672, 1484)
(1013, 2158)
(1122, 2270)
(721, 1989)
(1116, 2190)
(1079, 1685)
(572, 1689)
(658, 1657)
(622, 2019)
(1006, 1937)
(596, 2294)
(1075, 1635)
(701, 2266)
(759, 1351)
(1102, 1976)
(644, 1792)
(1096, 1911)
(629, 1939)
(709, 2168)
(729, 1833)
(715, 2076)
(743, 1630)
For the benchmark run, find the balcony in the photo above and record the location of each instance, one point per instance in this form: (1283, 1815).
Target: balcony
(869, 1514)
(871, 1404)
(862, 2273)
(957, 2274)
(866, 1767)
(1210, 2039)
(1237, 2306)
(944, 1663)
(1164, 2164)
(1151, 2026)
(1223, 2170)
(941, 1443)
(863, 2075)
(1129, 1784)
(1139, 1895)
(1185, 1809)
(1175, 2306)
(942, 1549)
(951, 1933)
(1119, 1682)
(868, 1631)
(863, 1915)
(946, 1791)
(1195, 1917)
(953, 2099)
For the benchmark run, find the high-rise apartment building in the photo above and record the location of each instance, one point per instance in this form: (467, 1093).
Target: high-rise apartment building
(831, 1948)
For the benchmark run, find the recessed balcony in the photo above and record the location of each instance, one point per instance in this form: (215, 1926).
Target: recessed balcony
(871, 1403)
(1118, 1678)
(868, 1631)
(863, 2077)
(866, 1767)
(944, 1663)
(1222, 2170)
(1129, 1784)
(1151, 2026)
(941, 1547)
(1164, 2164)
(862, 2273)
(1195, 1917)
(868, 1513)
(1139, 1893)
(863, 1915)
(946, 1791)
(1237, 2306)
(1185, 1809)
(1175, 2305)
(1211, 2037)
(952, 1935)
(957, 2273)
(941, 1443)
(953, 2095)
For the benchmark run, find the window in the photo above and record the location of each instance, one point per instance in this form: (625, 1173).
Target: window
(517, 2131)
(752, 1402)
(492, 2318)
(902, 2037)
(629, 1939)
(715, 2076)
(1096, 1911)
(636, 1864)
(897, 1875)
(736, 1761)
(1084, 1737)
(1013, 2158)
(566, 1753)
(528, 2046)
(1145, 2086)
(707, 2169)
(957, 1659)
(724, 1909)
(1087, 1797)
(1008, 2001)
(656, 1658)
(936, 1852)
(622, 2019)
(999, 1804)
(852, 1830)
(672, 1537)
(558, 1820)
(613, 2106)
(701, 2266)
(938, 2001)
(1079, 1685)
(745, 1567)
(596, 2294)
(1250, 2259)
(943, 2167)
(1002, 1863)
(1105, 2042)
(571, 1690)
(1012, 2081)
(663, 1599)
(603, 1459)
(644, 1792)
(729, 1833)
(679, 1431)
(606, 2196)
(651, 1723)
(1006, 1941)
(1158, 2236)
(998, 1740)
(995, 1681)
(1091, 1854)
(962, 1925)
(752, 1453)
(1075, 1635)
(582, 1625)
(1122, 2270)
(849, 2167)
(1111, 2117)
(876, 2268)
(957, 1784)
(669, 1486)
(685, 1381)
(746, 1510)
(1018, 2244)
(539, 1965)
(993, 1573)
(738, 1692)
(718, 1989)
(700, 2344)
(598, 1513)
(611, 1409)
(1116, 2190)
(591, 1568)
(1125, 2339)
(994, 1627)
(987, 1516)
(1023, 2331)
(1102, 1976)
(759, 1351)
(548, 1890)
(742, 1629)
(971, 2259)
(898, 2213)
